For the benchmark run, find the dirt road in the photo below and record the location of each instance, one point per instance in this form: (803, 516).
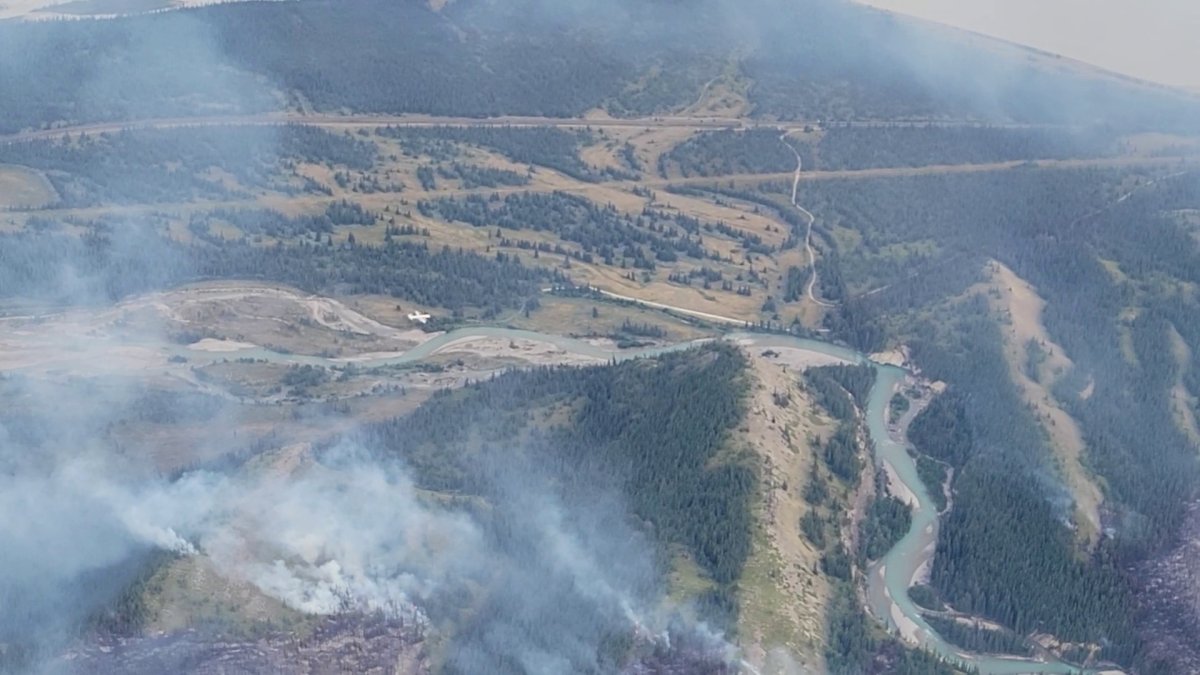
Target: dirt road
(381, 199)
(678, 310)
(812, 255)
(354, 121)
(414, 120)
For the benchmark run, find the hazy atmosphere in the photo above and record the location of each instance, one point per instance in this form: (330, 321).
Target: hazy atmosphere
(613, 337)
(1154, 40)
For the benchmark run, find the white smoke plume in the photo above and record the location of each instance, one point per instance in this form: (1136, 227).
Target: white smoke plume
(545, 582)
(345, 535)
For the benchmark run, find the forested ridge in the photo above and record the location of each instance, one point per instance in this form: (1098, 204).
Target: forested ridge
(836, 146)
(900, 259)
(816, 59)
(171, 165)
(621, 465)
(870, 147)
(1051, 229)
(716, 153)
(854, 643)
(1114, 254)
(655, 429)
(1004, 550)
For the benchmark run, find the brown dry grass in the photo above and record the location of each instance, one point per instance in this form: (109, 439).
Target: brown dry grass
(651, 143)
(304, 203)
(661, 291)
(1183, 402)
(387, 310)
(318, 172)
(603, 154)
(783, 600)
(725, 97)
(1019, 304)
(743, 219)
(620, 196)
(649, 140)
(24, 188)
(190, 592)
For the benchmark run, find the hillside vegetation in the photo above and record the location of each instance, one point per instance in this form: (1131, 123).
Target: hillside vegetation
(815, 59)
(1025, 236)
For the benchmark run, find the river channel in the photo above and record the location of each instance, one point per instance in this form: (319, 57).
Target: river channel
(888, 580)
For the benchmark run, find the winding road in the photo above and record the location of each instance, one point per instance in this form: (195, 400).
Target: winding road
(717, 318)
(812, 254)
(889, 580)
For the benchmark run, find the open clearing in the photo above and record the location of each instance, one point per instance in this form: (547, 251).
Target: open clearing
(724, 96)
(1183, 402)
(24, 188)
(739, 281)
(783, 598)
(1020, 307)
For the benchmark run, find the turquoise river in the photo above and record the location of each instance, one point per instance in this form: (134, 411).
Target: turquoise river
(888, 580)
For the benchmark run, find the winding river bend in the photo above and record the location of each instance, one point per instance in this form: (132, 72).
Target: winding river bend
(889, 579)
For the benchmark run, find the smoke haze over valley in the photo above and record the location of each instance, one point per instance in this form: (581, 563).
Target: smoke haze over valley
(1147, 40)
(532, 337)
